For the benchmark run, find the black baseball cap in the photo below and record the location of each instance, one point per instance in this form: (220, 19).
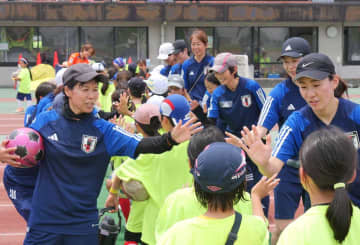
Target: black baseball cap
(315, 66)
(82, 73)
(295, 47)
(179, 46)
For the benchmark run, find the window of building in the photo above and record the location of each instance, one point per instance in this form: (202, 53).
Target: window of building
(102, 39)
(268, 43)
(261, 44)
(233, 39)
(352, 45)
(185, 33)
(131, 42)
(15, 41)
(109, 42)
(64, 40)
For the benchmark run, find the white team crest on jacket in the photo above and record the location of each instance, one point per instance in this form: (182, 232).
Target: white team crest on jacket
(246, 100)
(88, 143)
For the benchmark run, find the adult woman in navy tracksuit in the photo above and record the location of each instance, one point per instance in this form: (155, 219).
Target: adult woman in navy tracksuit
(283, 100)
(78, 146)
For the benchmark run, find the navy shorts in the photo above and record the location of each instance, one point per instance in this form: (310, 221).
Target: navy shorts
(253, 176)
(20, 196)
(22, 96)
(36, 237)
(288, 193)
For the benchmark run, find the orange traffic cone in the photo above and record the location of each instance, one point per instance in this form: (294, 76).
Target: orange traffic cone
(129, 61)
(56, 59)
(38, 59)
(20, 56)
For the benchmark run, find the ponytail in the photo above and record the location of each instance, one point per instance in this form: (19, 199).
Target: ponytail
(339, 214)
(104, 87)
(341, 88)
(105, 84)
(336, 160)
(30, 73)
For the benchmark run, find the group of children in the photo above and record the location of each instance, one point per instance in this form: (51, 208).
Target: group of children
(209, 189)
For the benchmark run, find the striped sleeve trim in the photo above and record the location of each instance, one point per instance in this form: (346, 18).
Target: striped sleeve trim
(265, 110)
(284, 132)
(261, 95)
(124, 132)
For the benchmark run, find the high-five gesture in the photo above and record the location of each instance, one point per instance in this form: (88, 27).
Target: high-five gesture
(183, 132)
(259, 152)
(252, 144)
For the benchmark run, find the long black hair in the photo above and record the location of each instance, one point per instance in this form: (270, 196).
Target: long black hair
(342, 87)
(328, 156)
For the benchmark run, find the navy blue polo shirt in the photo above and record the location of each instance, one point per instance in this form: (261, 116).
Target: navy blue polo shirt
(194, 74)
(303, 122)
(283, 100)
(237, 108)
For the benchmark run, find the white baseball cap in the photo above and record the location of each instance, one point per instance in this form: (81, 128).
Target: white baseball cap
(155, 100)
(165, 50)
(59, 77)
(157, 83)
(98, 67)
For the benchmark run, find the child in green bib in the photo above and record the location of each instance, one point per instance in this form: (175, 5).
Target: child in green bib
(328, 161)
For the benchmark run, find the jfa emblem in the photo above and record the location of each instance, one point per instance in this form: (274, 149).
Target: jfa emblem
(354, 137)
(88, 143)
(246, 100)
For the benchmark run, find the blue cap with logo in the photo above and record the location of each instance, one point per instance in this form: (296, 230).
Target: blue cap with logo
(220, 168)
(295, 47)
(119, 61)
(176, 107)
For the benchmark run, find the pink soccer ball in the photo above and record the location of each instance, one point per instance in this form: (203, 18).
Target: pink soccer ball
(29, 146)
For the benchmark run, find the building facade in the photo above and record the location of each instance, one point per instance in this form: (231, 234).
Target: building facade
(136, 30)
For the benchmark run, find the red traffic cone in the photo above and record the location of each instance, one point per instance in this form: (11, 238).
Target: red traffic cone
(129, 61)
(38, 59)
(56, 59)
(20, 56)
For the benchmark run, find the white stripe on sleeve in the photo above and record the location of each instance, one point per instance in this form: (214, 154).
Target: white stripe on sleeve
(261, 95)
(265, 110)
(284, 132)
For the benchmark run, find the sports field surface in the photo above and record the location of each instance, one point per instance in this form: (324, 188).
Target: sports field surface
(12, 225)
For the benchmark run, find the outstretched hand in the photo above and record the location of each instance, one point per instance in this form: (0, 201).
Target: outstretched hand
(183, 132)
(252, 144)
(6, 155)
(265, 186)
(122, 106)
